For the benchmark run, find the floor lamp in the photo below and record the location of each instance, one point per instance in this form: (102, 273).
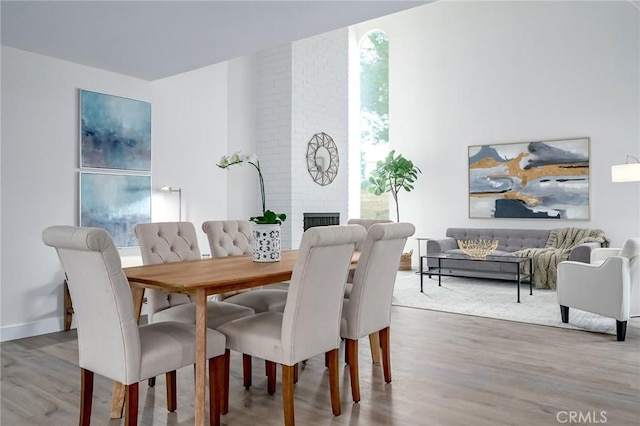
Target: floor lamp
(628, 172)
(167, 188)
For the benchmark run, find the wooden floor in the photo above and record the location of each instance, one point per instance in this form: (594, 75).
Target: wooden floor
(448, 369)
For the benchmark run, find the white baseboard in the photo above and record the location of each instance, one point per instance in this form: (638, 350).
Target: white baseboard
(36, 328)
(45, 326)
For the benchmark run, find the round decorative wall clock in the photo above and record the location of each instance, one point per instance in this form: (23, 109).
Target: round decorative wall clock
(322, 159)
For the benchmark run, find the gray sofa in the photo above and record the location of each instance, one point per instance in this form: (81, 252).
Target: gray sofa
(510, 240)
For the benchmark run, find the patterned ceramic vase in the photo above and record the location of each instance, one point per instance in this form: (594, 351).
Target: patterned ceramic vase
(266, 243)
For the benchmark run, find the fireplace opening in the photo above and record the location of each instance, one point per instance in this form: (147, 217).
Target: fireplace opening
(320, 219)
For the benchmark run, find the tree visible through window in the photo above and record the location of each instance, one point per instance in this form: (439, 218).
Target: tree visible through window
(374, 119)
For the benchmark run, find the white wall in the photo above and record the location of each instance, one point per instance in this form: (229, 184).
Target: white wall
(40, 167)
(39, 178)
(243, 189)
(189, 137)
(473, 73)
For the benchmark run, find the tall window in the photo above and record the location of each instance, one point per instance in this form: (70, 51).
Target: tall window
(374, 119)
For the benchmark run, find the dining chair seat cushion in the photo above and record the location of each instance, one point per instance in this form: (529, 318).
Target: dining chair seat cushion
(218, 313)
(166, 346)
(261, 300)
(258, 335)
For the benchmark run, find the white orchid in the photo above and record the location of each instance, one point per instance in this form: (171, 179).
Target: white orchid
(238, 158)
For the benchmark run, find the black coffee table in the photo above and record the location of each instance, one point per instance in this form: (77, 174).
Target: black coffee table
(516, 275)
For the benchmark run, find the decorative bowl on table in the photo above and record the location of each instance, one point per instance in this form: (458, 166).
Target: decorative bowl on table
(478, 249)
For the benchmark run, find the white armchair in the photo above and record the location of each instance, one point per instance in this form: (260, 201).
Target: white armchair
(608, 286)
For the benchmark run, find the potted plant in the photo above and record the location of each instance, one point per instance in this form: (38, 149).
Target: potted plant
(392, 175)
(266, 228)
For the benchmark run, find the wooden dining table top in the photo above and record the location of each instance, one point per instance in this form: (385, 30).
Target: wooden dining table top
(200, 278)
(217, 275)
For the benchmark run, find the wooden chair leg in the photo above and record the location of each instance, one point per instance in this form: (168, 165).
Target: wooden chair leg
(131, 405)
(295, 373)
(334, 386)
(216, 388)
(374, 343)
(151, 382)
(68, 308)
(224, 403)
(271, 377)
(352, 350)
(386, 354)
(287, 394)
(172, 400)
(86, 396)
(246, 370)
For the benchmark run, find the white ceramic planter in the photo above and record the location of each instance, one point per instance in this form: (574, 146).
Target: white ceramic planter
(266, 243)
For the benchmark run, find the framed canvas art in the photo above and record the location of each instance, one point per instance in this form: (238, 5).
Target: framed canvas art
(532, 180)
(115, 202)
(115, 132)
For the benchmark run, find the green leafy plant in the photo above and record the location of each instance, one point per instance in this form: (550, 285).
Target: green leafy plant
(392, 175)
(268, 217)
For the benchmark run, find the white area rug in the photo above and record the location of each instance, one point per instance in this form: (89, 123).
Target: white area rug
(495, 299)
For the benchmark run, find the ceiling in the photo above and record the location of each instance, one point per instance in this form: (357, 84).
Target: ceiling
(157, 39)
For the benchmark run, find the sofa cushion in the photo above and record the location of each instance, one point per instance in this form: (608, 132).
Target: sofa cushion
(509, 240)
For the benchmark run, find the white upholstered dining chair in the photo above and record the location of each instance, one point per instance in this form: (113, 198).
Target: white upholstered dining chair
(234, 238)
(368, 309)
(164, 242)
(609, 285)
(110, 342)
(310, 323)
(366, 223)
(374, 340)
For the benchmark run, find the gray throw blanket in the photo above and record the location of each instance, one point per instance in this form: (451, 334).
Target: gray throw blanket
(559, 245)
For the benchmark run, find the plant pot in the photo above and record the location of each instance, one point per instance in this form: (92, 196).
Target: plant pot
(405, 261)
(266, 242)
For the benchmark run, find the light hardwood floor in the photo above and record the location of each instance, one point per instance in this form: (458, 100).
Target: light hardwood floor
(447, 369)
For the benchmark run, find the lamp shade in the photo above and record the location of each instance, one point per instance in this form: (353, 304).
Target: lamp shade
(625, 172)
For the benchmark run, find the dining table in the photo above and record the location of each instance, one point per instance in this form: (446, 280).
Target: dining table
(202, 278)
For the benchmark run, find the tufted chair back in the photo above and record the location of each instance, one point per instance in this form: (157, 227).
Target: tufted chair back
(229, 237)
(312, 315)
(164, 242)
(108, 335)
(369, 307)
(367, 224)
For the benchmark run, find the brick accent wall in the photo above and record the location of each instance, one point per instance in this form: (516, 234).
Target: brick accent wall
(302, 91)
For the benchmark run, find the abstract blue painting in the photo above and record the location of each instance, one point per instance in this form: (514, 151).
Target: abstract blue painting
(115, 203)
(115, 132)
(533, 180)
